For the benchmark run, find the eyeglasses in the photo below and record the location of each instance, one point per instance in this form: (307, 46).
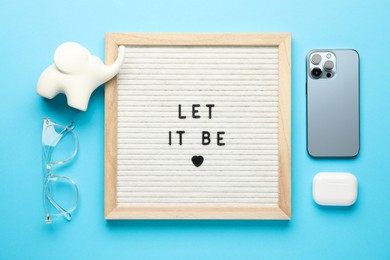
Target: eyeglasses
(58, 143)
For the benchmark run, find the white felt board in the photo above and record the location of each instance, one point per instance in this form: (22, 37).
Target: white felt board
(235, 90)
(242, 83)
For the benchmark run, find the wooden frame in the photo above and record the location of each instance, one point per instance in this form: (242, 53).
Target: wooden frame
(283, 211)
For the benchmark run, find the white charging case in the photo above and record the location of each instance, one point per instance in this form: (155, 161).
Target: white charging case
(335, 188)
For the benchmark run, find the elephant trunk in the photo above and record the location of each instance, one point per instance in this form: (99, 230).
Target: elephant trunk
(111, 70)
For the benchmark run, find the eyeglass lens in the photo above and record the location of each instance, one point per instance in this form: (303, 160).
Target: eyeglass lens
(59, 144)
(61, 196)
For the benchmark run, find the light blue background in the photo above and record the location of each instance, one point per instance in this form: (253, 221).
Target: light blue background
(31, 30)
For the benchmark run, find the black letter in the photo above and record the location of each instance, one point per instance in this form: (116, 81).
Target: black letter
(170, 138)
(180, 136)
(219, 138)
(210, 106)
(205, 135)
(180, 116)
(194, 111)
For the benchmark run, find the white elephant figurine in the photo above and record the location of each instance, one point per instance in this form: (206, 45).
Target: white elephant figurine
(76, 73)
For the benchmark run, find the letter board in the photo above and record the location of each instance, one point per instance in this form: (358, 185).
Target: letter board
(197, 126)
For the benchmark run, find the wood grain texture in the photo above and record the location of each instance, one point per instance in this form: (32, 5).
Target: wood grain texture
(285, 126)
(251, 71)
(110, 133)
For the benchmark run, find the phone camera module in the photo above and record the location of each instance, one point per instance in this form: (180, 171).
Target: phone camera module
(316, 72)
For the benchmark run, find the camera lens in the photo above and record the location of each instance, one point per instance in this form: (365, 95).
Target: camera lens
(316, 72)
(328, 65)
(316, 59)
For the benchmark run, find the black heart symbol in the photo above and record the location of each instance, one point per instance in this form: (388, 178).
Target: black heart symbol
(197, 160)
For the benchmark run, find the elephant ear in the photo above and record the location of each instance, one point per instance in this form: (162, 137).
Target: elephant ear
(71, 57)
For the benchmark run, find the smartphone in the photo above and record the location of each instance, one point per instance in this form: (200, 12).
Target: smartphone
(332, 96)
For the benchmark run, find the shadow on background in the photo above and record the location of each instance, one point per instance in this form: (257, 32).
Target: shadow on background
(339, 210)
(199, 224)
(333, 159)
(58, 108)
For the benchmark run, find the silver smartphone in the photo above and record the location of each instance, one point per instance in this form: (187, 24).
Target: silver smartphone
(332, 94)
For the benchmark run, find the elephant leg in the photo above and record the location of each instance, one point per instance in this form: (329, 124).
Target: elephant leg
(47, 92)
(48, 84)
(78, 98)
